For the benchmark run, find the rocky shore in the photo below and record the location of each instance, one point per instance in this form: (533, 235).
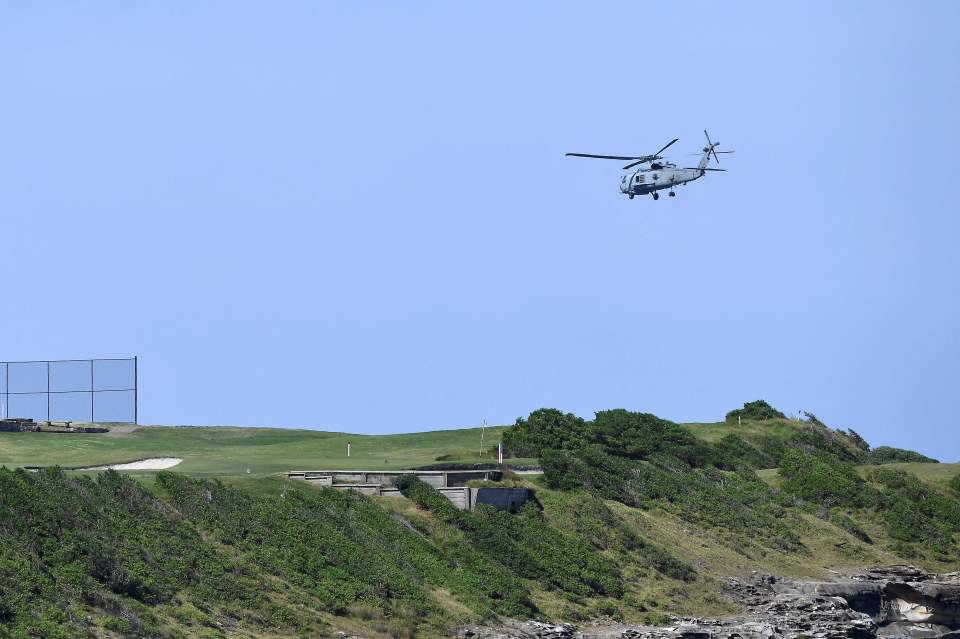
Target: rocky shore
(885, 602)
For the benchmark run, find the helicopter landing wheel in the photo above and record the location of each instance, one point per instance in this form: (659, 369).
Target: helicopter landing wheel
(656, 196)
(630, 195)
(672, 194)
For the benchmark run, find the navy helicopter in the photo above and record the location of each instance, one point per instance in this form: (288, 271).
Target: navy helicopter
(654, 174)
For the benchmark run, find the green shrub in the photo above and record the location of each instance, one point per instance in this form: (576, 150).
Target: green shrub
(524, 543)
(542, 429)
(857, 440)
(890, 455)
(823, 478)
(733, 452)
(634, 435)
(735, 502)
(839, 519)
(594, 521)
(106, 541)
(339, 545)
(955, 483)
(915, 512)
(758, 410)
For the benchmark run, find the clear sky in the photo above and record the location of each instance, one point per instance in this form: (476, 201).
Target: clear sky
(358, 216)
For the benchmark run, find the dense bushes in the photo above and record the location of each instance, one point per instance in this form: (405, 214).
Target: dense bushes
(633, 435)
(915, 512)
(735, 503)
(594, 521)
(641, 460)
(343, 548)
(889, 455)
(106, 543)
(910, 511)
(955, 484)
(758, 410)
(524, 543)
(823, 478)
(81, 556)
(620, 432)
(733, 452)
(543, 429)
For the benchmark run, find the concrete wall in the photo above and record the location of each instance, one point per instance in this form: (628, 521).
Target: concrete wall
(460, 497)
(436, 478)
(450, 483)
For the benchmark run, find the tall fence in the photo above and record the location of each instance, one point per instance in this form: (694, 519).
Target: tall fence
(94, 390)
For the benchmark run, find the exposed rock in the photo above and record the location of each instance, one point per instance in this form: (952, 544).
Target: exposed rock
(886, 602)
(510, 629)
(898, 601)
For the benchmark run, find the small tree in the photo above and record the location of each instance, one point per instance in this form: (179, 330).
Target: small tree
(758, 410)
(544, 429)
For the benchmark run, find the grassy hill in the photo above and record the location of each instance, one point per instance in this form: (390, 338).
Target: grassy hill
(229, 452)
(636, 517)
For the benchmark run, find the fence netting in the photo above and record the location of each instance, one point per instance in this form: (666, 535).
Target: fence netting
(79, 390)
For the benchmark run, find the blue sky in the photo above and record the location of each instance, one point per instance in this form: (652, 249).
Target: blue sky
(358, 216)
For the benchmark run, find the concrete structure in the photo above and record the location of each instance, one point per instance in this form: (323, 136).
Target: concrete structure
(452, 484)
(436, 478)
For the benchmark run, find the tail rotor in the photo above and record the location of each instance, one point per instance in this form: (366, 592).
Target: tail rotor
(711, 147)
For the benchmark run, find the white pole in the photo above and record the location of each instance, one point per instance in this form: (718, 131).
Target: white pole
(500, 453)
(483, 429)
(348, 449)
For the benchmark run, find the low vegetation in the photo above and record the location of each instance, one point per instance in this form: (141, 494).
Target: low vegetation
(754, 411)
(647, 462)
(635, 518)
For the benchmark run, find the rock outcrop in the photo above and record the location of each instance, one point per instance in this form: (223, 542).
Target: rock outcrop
(886, 602)
(899, 600)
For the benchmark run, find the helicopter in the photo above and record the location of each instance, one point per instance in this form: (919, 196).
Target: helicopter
(655, 174)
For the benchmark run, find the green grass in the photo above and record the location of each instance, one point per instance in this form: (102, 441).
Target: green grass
(752, 431)
(938, 474)
(229, 452)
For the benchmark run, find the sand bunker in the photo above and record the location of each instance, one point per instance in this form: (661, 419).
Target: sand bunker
(157, 463)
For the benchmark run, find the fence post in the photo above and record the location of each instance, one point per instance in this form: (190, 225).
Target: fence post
(91, 391)
(48, 391)
(135, 397)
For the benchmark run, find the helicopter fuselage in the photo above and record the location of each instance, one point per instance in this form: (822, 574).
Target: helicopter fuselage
(649, 180)
(653, 173)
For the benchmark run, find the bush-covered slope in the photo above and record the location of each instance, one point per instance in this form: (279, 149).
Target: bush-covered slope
(105, 555)
(647, 462)
(80, 555)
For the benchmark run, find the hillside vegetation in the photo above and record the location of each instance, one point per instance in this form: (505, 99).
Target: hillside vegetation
(643, 461)
(635, 517)
(90, 556)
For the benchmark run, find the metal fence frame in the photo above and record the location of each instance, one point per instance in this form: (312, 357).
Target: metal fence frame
(92, 391)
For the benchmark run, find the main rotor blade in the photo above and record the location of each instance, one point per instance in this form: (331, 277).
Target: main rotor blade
(667, 146)
(646, 158)
(698, 168)
(606, 157)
